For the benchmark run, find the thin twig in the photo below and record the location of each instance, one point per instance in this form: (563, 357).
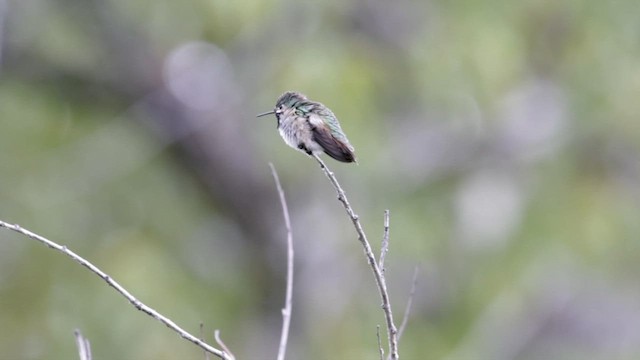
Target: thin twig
(216, 335)
(286, 311)
(206, 354)
(380, 349)
(84, 347)
(392, 331)
(109, 280)
(385, 241)
(407, 309)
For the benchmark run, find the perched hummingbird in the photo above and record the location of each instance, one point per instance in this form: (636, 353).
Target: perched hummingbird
(311, 127)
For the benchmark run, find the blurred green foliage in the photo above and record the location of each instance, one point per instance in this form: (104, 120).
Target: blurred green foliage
(503, 137)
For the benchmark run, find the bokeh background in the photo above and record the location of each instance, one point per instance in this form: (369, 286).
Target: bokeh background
(504, 137)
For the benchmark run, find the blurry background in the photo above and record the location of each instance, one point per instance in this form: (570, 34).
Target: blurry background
(503, 137)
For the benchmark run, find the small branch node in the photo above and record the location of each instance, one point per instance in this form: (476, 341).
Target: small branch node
(137, 304)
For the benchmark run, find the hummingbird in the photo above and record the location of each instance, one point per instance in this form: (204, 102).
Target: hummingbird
(311, 127)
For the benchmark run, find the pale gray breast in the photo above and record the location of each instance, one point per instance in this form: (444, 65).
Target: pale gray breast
(292, 129)
(296, 130)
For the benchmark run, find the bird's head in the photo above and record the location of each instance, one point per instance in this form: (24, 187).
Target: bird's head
(286, 101)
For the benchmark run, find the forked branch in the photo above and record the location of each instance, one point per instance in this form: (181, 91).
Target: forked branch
(392, 331)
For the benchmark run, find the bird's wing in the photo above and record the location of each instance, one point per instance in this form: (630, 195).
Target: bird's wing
(323, 135)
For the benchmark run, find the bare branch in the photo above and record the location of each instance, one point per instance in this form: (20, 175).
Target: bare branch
(407, 309)
(379, 342)
(392, 331)
(109, 280)
(286, 311)
(84, 347)
(385, 241)
(221, 343)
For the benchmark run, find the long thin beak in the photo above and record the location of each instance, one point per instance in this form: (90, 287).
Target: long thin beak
(267, 113)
